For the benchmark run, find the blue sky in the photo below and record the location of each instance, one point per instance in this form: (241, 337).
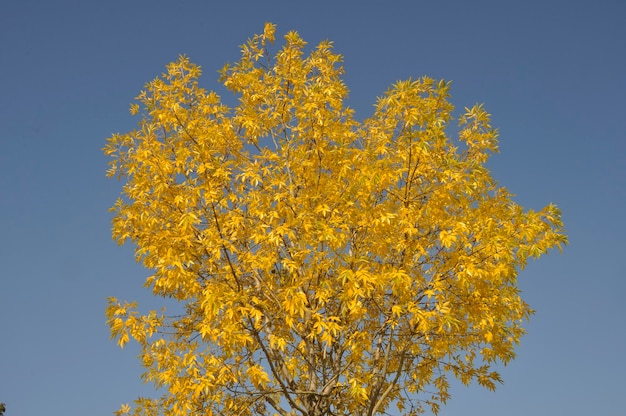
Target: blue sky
(552, 74)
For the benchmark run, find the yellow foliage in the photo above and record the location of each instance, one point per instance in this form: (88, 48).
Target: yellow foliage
(324, 265)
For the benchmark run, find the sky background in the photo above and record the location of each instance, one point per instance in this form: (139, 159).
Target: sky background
(552, 74)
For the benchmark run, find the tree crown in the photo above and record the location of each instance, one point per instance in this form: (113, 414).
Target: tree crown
(326, 266)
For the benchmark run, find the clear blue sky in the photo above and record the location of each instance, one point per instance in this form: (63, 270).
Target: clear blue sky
(552, 74)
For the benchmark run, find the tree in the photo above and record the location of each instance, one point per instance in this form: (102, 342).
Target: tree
(3, 409)
(323, 266)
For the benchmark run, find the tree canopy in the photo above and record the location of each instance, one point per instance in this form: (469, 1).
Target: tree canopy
(323, 265)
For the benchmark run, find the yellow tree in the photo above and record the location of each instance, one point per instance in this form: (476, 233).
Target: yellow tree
(323, 266)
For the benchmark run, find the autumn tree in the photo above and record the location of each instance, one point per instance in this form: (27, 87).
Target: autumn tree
(322, 265)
